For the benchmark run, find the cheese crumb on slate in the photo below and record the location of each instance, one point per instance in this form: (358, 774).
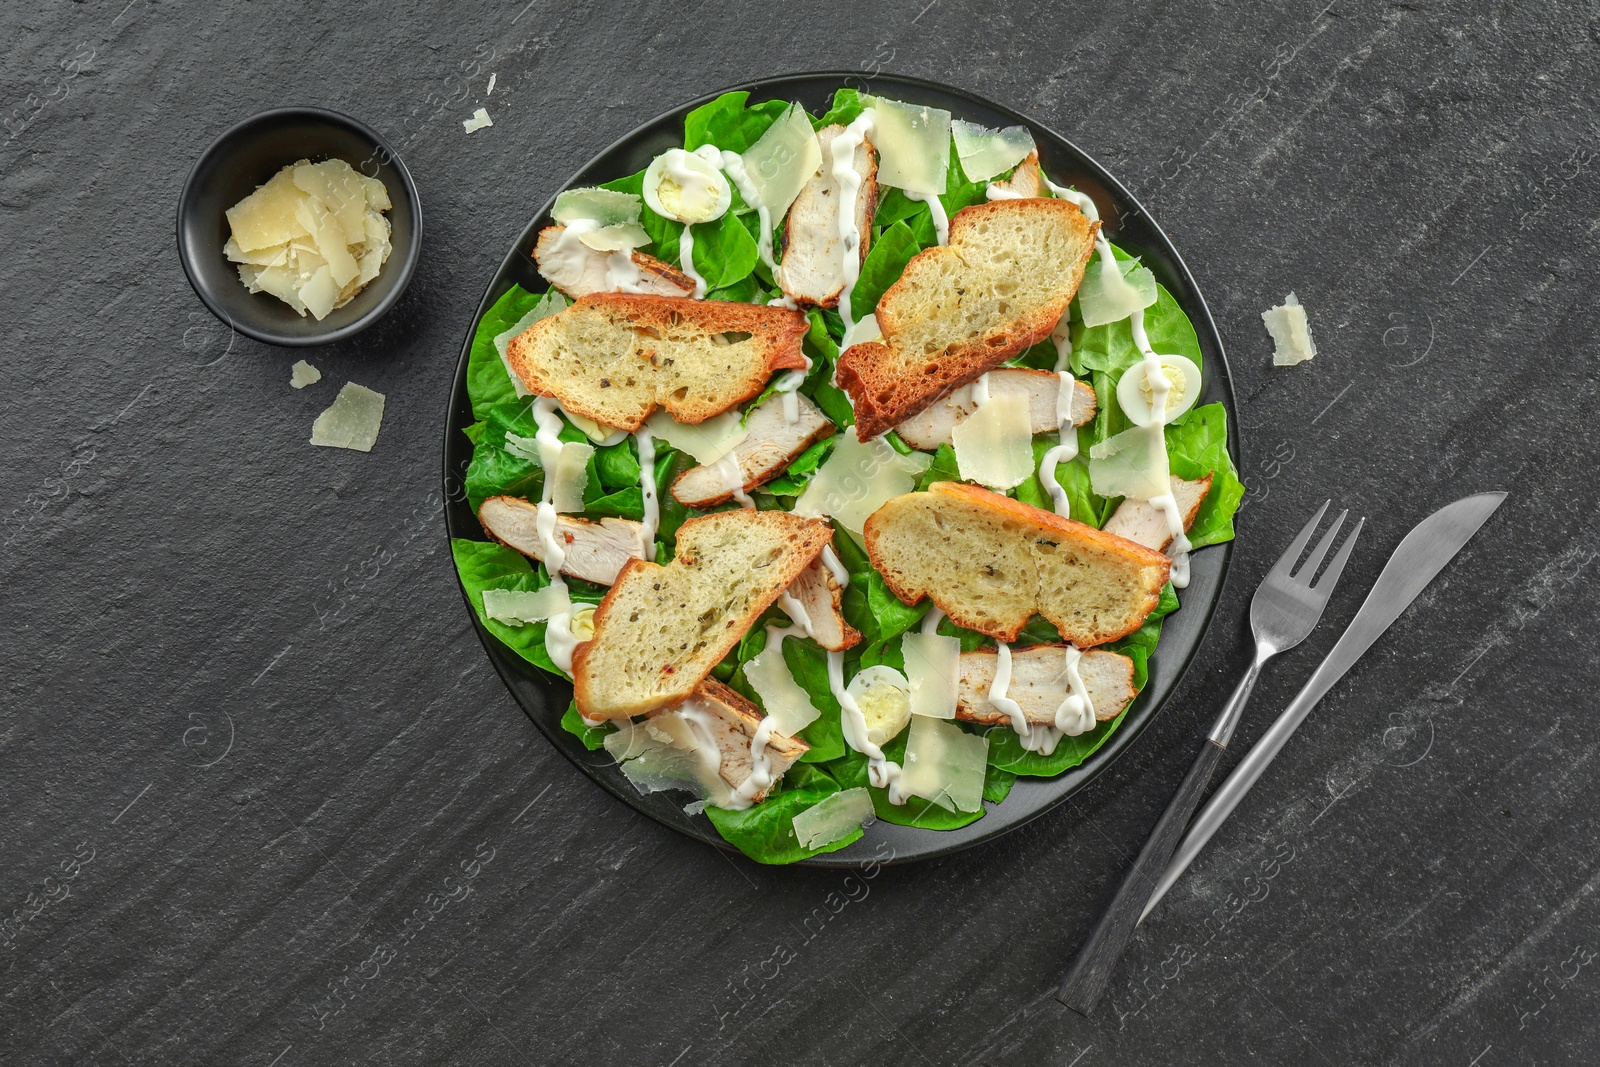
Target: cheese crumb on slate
(352, 421)
(1291, 332)
(303, 374)
(480, 118)
(490, 90)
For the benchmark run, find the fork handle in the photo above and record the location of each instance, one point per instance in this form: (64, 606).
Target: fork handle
(1222, 732)
(1091, 971)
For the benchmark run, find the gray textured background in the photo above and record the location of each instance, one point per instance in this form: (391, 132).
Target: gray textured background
(288, 815)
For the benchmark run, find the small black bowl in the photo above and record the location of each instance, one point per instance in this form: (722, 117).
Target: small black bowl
(245, 157)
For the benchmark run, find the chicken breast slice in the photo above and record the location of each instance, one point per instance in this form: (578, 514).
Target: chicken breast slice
(587, 273)
(1026, 180)
(1039, 683)
(812, 271)
(771, 444)
(931, 427)
(819, 596)
(596, 551)
(1144, 525)
(732, 722)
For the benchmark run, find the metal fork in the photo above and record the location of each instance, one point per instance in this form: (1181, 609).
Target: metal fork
(1285, 609)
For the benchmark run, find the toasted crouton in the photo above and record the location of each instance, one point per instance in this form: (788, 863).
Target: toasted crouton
(991, 563)
(931, 427)
(595, 551)
(1144, 525)
(588, 271)
(615, 358)
(812, 271)
(660, 630)
(958, 311)
(771, 444)
(1039, 683)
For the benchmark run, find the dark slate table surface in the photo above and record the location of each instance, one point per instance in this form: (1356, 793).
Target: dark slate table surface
(265, 802)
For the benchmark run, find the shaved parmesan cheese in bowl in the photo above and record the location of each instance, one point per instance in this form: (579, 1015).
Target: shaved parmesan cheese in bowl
(299, 227)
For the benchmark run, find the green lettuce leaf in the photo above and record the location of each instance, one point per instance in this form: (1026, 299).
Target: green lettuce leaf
(847, 107)
(487, 565)
(727, 123)
(593, 737)
(488, 383)
(851, 771)
(885, 262)
(765, 831)
(1197, 445)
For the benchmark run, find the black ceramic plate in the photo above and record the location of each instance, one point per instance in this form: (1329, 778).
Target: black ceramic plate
(545, 698)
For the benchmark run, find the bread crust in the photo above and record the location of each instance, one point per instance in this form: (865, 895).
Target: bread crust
(779, 332)
(812, 536)
(883, 393)
(1043, 525)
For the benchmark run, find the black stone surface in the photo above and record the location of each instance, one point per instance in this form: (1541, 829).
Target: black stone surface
(264, 802)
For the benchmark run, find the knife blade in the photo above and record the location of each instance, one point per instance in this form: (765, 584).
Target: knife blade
(1423, 553)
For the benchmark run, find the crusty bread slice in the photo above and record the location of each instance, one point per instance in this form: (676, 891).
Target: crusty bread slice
(1039, 683)
(931, 427)
(660, 630)
(588, 272)
(615, 358)
(733, 723)
(1144, 525)
(595, 551)
(1025, 181)
(1000, 286)
(770, 444)
(819, 596)
(812, 271)
(992, 563)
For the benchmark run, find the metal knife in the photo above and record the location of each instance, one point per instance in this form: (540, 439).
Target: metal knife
(1433, 543)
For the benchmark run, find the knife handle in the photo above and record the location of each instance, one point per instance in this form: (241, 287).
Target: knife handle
(1091, 971)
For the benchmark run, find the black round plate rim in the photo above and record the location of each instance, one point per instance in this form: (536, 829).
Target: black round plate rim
(513, 672)
(407, 266)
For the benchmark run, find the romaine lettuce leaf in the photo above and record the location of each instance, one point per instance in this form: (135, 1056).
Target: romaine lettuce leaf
(765, 831)
(847, 107)
(727, 123)
(1197, 445)
(488, 383)
(593, 737)
(885, 262)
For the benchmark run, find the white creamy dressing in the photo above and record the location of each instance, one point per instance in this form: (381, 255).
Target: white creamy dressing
(931, 621)
(835, 566)
(569, 254)
(559, 640)
(941, 221)
(1034, 737)
(1160, 386)
(647, 487)
(706, 750)
(1156, 442)
(693, 182)
(733, 478)
(843, 151)
(686, 260)
(733, 166)
(1067, 450)
(995, 192)
(1075, 714)
(882, 772)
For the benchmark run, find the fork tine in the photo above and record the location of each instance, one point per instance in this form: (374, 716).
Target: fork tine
(1292, 553)
(1313, 561)
(1330, 577)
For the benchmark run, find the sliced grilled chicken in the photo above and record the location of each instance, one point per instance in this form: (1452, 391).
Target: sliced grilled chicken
(819, 596)
(931, 427)
(596, 551)
(812, 271)
(1144, 525)
(1025, 181)
(733, 721)
(586, 271)
(771, 444)
(1039, 683)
